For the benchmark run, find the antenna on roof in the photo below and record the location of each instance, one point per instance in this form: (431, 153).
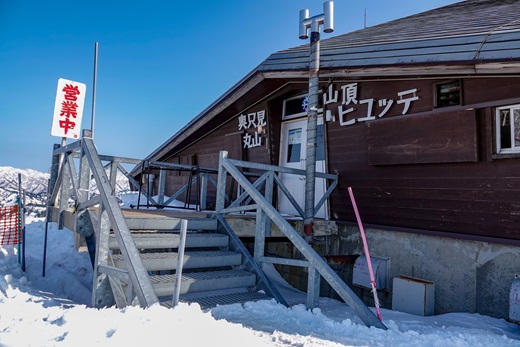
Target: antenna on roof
(365, 20)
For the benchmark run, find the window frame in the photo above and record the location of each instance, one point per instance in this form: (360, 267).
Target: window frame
(286, 116)
(438, 94)
(498, 131)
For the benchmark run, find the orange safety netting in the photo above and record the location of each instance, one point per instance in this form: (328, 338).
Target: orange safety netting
(10, 225)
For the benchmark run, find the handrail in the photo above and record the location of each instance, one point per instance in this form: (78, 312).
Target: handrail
(72, 150)
(180, 262)
(136, 270)
(267, 213)
(270, 173)
(110, 216)
(200, 176)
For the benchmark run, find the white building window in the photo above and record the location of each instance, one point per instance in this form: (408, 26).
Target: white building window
(508, 129)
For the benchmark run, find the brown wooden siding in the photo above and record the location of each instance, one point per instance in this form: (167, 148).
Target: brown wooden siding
(463, 190)
(470, 198)
(213, 138)
(410, 140)
(480, 90)
(206, 153)
(481, 204)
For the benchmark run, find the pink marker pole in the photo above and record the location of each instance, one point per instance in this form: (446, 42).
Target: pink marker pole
(367, 254)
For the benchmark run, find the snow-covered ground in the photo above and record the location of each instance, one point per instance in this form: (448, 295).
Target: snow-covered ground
(53, 311)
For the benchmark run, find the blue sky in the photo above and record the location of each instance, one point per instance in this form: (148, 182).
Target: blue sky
(160, 62)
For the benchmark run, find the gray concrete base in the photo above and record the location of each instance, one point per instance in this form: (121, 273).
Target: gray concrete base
(469, 276)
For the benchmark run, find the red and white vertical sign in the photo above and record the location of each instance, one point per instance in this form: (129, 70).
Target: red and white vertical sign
(68, 109)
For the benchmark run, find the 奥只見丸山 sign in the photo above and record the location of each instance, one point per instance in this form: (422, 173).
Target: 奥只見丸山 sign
(68, 109)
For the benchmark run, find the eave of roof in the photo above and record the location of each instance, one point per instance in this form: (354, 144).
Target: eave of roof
(233, 93)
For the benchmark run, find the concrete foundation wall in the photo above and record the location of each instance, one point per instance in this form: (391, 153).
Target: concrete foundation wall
(469, 276)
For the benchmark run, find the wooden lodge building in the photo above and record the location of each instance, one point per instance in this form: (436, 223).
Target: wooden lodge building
(421, 117)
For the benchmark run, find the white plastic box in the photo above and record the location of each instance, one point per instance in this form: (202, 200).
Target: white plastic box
(413, 295)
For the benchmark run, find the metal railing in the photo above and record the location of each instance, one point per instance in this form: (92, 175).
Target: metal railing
(180, 263)
(94, 215)
(200, 178)
(98, 215)
(268, 181)
(267, 214)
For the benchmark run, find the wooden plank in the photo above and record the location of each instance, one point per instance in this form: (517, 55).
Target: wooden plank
(479, 184)
(451, 221)
(434, 207)
(443, 138)
(472, 229)
(500, 169)
(413, 218)
(496, 89)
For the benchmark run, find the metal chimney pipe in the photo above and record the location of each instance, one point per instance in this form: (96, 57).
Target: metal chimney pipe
(325, 19)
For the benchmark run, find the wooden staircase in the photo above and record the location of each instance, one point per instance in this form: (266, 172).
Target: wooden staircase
(212, 273)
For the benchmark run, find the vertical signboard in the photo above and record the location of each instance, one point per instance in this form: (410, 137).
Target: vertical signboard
(68, 109)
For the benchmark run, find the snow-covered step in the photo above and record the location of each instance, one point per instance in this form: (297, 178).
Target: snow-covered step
(192, 260)
(203, 281)
(223, 299)
(171, 240)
